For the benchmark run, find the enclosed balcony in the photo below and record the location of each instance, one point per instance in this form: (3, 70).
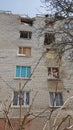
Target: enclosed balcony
(53, 73)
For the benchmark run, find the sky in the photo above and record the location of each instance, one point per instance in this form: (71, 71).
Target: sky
(22, 7)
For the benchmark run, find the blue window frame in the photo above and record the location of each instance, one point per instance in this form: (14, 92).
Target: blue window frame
(23, 71)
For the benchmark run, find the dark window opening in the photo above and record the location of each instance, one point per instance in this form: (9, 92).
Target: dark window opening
(27, 21)
(49, 23)
(25, 34)
(49, 38)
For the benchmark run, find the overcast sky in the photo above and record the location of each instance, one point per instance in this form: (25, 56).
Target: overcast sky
(23, 7)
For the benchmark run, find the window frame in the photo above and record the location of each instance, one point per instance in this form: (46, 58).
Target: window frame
(24, 102)
(56, 99)
(22, 51)
(20, 73)
(52, 74)
(26, 34)
(26, 21)
(68, 25)
(49, 38)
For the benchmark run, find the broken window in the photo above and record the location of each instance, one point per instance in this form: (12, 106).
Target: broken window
(53, 72)
(25, 34)
(49, 38)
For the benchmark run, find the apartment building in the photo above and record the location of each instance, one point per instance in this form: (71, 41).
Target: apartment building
(33, 83)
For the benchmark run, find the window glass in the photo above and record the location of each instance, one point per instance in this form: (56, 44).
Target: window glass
(25, 34)
(56, 99)
(23, 71)
(51, 98)
(21, 98)
(49, 38)
(18, 70)
(27, 98)
(15, 99)
(28, 71)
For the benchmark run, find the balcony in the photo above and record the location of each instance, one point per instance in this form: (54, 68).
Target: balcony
(53, 73)
(49, 38)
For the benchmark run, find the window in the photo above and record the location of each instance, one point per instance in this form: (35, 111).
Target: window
(71, 54)
(68, 25)
(53, 73)
(49, 23)
(27, 21)
(56, 99)
(49, 38)
(25, 51)
(21, 98)
(23, 71)
(25, 34)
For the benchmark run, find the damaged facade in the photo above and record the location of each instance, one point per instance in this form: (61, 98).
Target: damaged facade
(33, 83)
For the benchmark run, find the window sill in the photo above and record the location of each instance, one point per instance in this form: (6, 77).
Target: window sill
(22, 55)
(22, 78)
(25, 38)
(18, 107)
(53, 79)
(55, 107)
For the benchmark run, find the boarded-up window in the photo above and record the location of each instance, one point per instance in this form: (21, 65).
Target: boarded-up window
(25, 50)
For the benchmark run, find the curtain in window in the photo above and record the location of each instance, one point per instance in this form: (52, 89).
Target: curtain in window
(56, 99)
(59, 100)
(27, 98)
(15, 99)
(52, 98)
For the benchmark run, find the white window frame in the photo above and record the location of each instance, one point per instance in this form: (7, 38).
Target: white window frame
(55, 101)
(22, 50)
(24, 96)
